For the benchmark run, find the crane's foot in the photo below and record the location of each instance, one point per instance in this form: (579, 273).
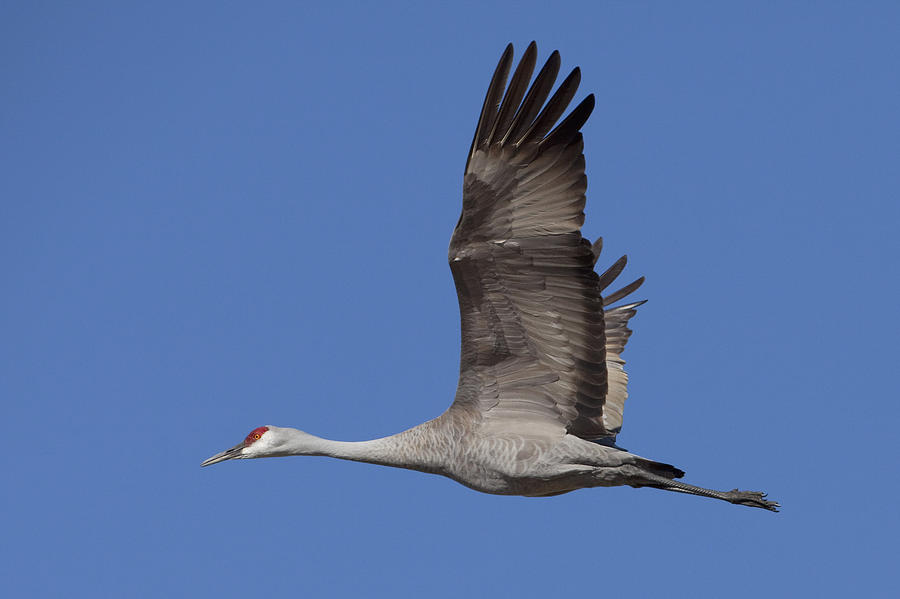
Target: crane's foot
(751, 498)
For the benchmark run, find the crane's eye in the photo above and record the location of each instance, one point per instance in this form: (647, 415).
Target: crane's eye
(255, 435)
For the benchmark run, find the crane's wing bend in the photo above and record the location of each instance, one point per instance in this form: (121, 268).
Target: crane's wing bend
(538, 350)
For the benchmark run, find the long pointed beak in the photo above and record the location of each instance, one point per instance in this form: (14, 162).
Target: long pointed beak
(228, 454)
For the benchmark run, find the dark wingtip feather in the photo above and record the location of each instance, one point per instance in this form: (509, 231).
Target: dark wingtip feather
(532, 47)
(596, 248)
(571, 124)
(535, 98)
(554, 109)
(509, 107)
(491, 102)
(611, 273)
(624, 291)
(626, 307)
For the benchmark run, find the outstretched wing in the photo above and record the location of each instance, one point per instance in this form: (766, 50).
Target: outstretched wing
(537, 351)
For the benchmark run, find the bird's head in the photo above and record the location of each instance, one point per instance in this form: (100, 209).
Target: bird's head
(261, 442)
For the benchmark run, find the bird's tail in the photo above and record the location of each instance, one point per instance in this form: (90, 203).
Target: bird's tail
(660, 469)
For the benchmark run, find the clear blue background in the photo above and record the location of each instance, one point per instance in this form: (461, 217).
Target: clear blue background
(221, 215)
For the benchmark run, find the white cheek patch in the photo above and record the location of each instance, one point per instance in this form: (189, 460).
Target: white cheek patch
(260, 446)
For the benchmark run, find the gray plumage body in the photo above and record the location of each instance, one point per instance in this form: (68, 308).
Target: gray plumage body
(542, 384)
(501, 464)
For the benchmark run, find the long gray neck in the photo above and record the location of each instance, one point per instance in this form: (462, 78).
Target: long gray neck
(373, 451)
(403, 450)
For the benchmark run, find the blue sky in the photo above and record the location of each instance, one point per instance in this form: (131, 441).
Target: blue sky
(220, 215)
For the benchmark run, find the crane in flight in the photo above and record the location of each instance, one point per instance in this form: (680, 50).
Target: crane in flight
(541, 380)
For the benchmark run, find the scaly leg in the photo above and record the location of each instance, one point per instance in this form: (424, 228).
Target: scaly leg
(748, 498)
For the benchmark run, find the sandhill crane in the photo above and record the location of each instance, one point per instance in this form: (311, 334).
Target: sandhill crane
(541, 383)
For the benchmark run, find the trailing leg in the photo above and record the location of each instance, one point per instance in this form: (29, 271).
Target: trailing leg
(748, 498)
